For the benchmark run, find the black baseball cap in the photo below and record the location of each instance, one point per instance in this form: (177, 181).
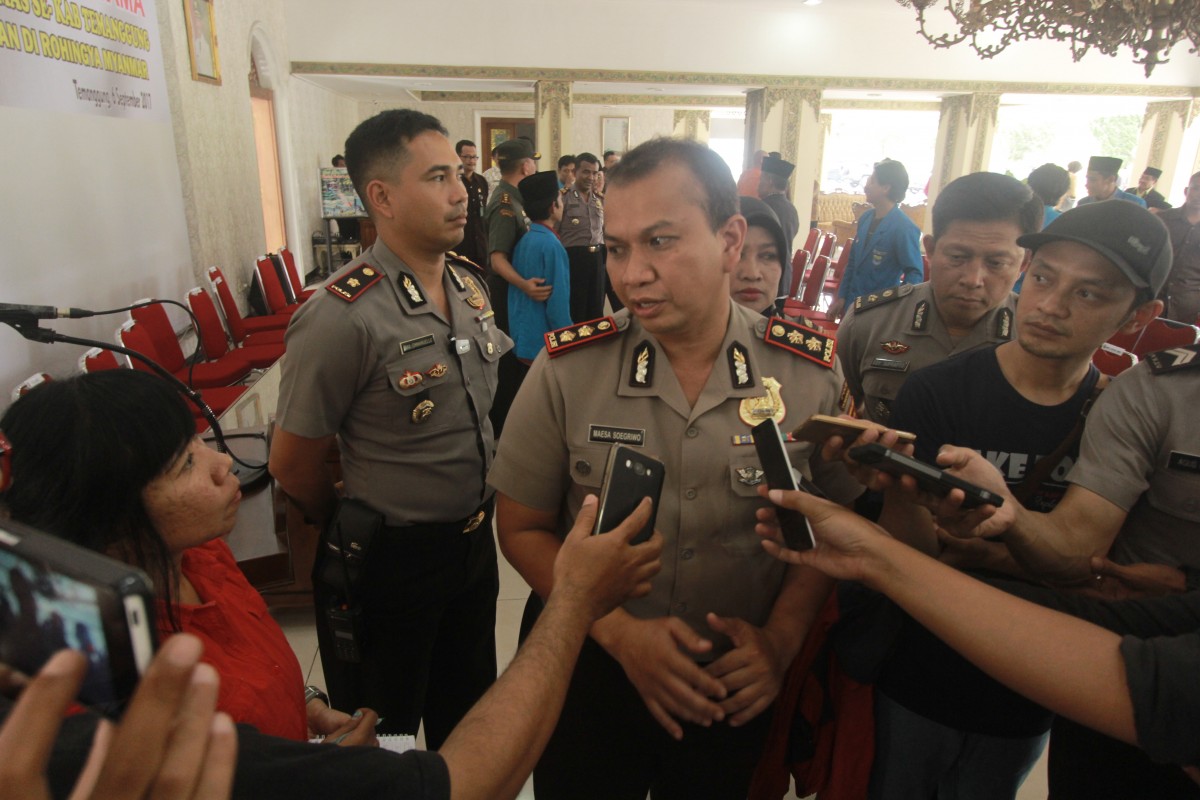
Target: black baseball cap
(1133, 239)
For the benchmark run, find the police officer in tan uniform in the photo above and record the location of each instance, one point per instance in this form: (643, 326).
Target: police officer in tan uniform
(682, 374)
(581, 230)
(396, 358)
(967, 302)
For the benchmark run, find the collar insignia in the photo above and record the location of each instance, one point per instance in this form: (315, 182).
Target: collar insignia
(410, 288)
(641, 371)
(1004, 324)
(457, 281)
(921, 316)
(739, 366)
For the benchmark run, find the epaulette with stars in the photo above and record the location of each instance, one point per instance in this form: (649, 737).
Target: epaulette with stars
(801, 340)
(1175, 359)
(352, 285)
(874, 299)
(455, 259)
(579, 334)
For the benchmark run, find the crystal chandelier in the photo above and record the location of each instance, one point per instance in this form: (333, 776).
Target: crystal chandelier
(1148, 27)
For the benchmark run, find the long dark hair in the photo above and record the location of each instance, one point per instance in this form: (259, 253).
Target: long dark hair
(83, 449)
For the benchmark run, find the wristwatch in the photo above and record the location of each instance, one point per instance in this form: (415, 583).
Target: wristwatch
(313, 693)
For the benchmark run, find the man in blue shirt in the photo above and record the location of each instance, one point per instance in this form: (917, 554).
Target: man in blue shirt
(1101, 182)
(887, 246)
(539, 254)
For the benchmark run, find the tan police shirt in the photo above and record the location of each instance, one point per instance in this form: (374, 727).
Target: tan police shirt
(887, 336)
(620, 389)
(582, 222)
(407, 392)
(1141, 451)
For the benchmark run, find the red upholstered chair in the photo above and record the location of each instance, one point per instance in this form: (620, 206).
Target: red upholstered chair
(133, 337)
(222, 371)
(806, 306)
(246, 330)
(212, 333)
(810, 243)
(835, 277)
(267, 279)
(1160, 334)
(30, 383)
(1112, 360)
(826, 247)
(299, 293)
(799, 268)
(98, 359)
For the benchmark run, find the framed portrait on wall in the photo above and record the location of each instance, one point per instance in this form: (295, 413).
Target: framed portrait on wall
(614, 134)
(202, 40)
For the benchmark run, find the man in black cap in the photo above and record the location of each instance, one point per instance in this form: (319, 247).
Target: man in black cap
(772, 190)
(1145, 190)
(539, 255)
(1101, 182)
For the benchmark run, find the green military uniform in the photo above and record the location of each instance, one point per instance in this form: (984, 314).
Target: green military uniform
(887, 336)
(506, 222)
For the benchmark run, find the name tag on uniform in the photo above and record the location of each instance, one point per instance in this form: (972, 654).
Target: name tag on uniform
(1183, 462)
(893, 364)
(601, 433)
(416, 344)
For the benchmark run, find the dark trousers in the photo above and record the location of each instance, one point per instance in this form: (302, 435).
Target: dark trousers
(1083, 764)
(588, 281)
(510, 371)
(608, 747)
(428, 595)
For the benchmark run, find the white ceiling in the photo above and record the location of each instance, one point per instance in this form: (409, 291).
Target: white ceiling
(844, 38)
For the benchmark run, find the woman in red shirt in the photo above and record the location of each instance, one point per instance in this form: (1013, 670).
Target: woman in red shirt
(111, 460)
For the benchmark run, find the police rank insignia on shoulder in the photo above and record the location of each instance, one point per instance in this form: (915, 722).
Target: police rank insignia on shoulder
(879, 298)
(453, 256)
(801, 340)
(572, 336)
(352, 285)
(1175, 359)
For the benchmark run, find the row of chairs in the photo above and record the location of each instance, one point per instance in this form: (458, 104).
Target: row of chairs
(815, 278)
(1124, 350)
(235, 348)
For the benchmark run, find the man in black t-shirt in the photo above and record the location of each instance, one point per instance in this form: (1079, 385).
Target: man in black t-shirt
(1016, 404)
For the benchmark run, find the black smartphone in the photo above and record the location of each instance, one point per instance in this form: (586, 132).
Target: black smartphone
(768, 441)
(629, 476)
(56, 595)
(929, 478)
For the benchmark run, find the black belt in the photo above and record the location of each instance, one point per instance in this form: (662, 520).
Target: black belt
(467, 524)
(591, 248)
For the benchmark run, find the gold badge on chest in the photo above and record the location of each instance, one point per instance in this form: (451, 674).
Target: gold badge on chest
(476, 298)
(754, 410)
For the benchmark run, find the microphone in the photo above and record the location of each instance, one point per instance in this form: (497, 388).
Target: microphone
(13, 312)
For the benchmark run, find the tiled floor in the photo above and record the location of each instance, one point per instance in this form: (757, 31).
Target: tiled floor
(298, 627)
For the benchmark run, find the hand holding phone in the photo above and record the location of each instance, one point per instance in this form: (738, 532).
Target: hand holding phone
(929, 478)
(56, 595)
(819, 427)
(768, 442)
(629, 476)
